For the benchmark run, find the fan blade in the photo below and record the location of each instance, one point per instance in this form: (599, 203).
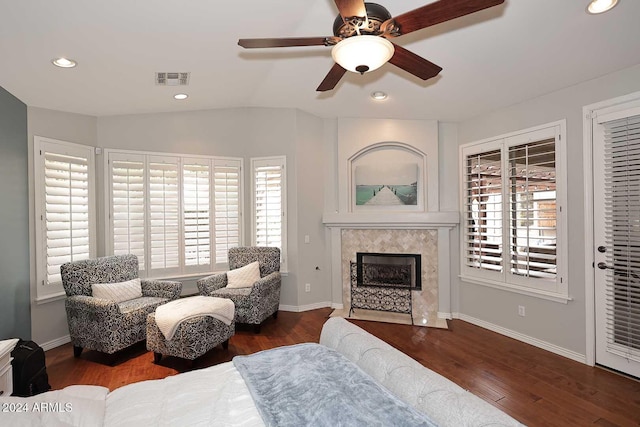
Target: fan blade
(288, 42)
(435, 13)
(332, 79)
(414, 64)
(350, 8)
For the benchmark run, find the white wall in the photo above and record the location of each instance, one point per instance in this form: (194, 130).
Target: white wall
(558, 324)
(49, 320)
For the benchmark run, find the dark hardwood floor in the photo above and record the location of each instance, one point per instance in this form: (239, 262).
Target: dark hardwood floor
(534, 386)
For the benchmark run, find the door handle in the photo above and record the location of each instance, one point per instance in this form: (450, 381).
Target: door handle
(603, 266)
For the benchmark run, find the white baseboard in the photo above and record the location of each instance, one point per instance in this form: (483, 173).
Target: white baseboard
(55, 343)
(570, 354)
(446, 316)
(301, 308)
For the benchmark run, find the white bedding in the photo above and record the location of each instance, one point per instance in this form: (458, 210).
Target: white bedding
(76, 405)
(212, 396)
(218, 395)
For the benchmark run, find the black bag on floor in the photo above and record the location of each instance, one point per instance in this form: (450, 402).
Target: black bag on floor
(29, 370)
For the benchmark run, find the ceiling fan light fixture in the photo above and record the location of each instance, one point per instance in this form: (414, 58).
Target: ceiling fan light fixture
(600, 6)
(361, 54)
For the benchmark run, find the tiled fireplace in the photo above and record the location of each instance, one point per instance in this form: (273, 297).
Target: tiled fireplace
(376, 156)
(429, 238)
(423, 242)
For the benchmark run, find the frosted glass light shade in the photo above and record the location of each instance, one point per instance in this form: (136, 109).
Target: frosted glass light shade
(361, 54)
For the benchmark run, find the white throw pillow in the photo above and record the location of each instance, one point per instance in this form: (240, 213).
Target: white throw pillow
(118, 292)
(244, 277)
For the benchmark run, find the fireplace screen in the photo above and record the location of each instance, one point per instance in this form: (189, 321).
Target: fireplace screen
(389, 270)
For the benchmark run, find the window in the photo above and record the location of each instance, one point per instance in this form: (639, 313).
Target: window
(269, 204)
(227, 179)
(172, 210)
(65, 225)
(197, 213)
(513, 193)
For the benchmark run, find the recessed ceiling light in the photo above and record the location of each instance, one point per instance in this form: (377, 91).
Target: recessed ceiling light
(64, 62)
(379, 95)
(180, 96)
(600, 6)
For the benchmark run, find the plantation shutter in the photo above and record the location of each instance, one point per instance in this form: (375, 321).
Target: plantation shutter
(227, 199)
(483, 208)
(268, 199)
(66, 211)
(532, 209)
(164, 214)
(197, 213)
(622, 235)
(128, 207)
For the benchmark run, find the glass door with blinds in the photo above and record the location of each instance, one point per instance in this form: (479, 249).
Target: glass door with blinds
(616, 183)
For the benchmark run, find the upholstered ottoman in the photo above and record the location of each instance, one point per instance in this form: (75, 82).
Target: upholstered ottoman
(193, 334)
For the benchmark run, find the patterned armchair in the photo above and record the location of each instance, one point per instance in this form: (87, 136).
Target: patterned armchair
(255, 304)
(102, 324)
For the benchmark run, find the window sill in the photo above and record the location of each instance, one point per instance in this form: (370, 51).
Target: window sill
(537, 293)
(62, 295)
(196, 276)
(51, 298)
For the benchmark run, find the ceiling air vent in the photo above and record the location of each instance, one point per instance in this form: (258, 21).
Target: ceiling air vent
(172, 79)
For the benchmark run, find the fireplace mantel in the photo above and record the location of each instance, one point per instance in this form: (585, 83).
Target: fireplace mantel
(392, 220)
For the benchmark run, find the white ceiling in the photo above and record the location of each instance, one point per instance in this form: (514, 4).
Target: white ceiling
(491, 59)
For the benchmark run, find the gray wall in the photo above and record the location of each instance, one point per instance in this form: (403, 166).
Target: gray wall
(312, 265)
(49, 320)
(239, 132)
(15, 320)
(555, 323)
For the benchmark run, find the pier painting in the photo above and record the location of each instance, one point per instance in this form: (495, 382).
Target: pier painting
(387, 185)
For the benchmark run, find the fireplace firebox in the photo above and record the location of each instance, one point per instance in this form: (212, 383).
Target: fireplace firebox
(384, 282)
(389, 270)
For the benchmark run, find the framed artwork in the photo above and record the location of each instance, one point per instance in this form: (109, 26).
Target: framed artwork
(388, 178)
(391, 185)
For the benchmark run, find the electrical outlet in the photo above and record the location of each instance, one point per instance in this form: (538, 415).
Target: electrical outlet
(307, 287)
(521, 310)
(306, 238)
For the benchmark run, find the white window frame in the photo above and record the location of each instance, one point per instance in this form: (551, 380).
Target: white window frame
(182, 271)
(50, 291)
(271, 161)
(556, 290)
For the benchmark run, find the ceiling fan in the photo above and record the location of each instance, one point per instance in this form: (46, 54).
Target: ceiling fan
(362, 32)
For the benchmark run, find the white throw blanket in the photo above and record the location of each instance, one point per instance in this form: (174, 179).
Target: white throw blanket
(170, 315)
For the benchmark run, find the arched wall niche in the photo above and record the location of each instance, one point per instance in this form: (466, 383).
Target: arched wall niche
(387, 176)
(359, 139)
